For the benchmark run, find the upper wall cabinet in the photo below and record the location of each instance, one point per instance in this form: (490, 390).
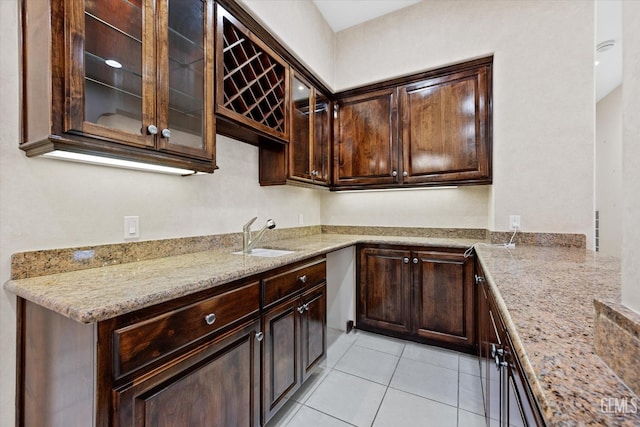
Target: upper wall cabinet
(124, 79)
(432, 128)
(445, 129)
(310, 133)
(252, 81)
(365, 144)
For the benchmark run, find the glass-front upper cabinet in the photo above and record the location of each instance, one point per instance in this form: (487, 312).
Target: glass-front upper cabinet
(300, 143)
(145, 74)
(310, 133)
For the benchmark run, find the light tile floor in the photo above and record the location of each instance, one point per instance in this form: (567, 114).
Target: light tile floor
(373, 380)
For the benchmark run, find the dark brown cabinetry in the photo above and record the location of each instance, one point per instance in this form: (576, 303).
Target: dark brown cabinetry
(507, 395)
(422, 294)
(129, 80)
(252, 81)
(310, 133)
(294, 331)
(365, 141)
(432, 128)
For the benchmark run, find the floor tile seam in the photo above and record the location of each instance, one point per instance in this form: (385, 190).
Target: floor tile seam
(324, 377)
(427, 398)
(379, 406)
(375, 349)
(329, 415)
(431, 364)
(363, 378)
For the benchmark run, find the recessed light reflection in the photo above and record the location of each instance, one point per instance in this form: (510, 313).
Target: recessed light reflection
(300, 87)
(596, 63)
(113, 63)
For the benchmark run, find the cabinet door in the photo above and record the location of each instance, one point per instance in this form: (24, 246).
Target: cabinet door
(366, 146)
(321, 164)
(384, 290)
(443, 308)
(301, 122)
(111, 82)
(217, 384)
(314, 322)
(445, 131)
(281, 371)
(185, 87)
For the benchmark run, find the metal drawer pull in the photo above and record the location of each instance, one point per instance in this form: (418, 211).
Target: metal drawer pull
(300, 309)
(405, 260)
(259, 336)
(166, 133)
(415, 260)
(479, 279)
(210, 318)
(306, 307)
(152, 129)
(303, 278)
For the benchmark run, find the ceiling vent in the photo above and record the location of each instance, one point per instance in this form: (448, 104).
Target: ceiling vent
(605, 45)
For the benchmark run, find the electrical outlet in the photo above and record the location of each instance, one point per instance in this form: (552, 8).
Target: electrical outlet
(514, 222)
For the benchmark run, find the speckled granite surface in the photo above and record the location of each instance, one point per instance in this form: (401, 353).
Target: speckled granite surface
(91, 295)
(546, 298)
(617, 340)
(545, 295)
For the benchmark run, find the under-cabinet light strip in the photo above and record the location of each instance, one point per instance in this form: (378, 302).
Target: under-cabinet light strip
(118, 163)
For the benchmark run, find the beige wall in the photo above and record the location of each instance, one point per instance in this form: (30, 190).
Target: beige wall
(48, 203)
(631, 154)
(543, 123)
(609, 171)
(300, 26)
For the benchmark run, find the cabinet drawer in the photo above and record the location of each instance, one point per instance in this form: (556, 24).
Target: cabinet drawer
(280, 286)
(137, 345)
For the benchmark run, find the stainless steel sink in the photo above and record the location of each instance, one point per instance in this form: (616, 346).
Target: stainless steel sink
(264, 252)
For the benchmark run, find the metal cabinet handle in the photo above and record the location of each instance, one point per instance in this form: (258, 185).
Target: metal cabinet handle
(210, 318)
(500, 363)
(394, 173)
(166, 133)
(259, 336)
(479, 279)
(306, 307)
(152, 129)
(300, 309)
(405, 260)
(415, 260)
(303, 278)
(405, 174)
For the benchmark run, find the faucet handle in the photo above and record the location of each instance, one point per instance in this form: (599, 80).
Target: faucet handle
(248, 224)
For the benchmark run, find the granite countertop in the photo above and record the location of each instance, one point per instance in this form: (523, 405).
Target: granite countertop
(96, 294)
(545, 296)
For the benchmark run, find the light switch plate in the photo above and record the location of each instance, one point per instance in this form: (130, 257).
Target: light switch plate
(131, 227)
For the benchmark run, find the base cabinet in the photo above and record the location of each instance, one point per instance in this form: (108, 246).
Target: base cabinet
(217, 384)
(201, 360)
(294, 334)
(508, 397)
(417, 293)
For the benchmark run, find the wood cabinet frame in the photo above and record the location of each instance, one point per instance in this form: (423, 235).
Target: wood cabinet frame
(53, 37)
(423, 294)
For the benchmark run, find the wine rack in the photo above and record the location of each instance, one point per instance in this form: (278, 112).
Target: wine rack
(253, 84)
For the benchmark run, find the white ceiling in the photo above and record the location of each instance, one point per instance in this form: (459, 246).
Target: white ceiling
(341, 14)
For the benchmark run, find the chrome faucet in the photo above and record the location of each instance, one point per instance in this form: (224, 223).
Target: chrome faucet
(247, 243)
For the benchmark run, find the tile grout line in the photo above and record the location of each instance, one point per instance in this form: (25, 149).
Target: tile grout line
(386, 390)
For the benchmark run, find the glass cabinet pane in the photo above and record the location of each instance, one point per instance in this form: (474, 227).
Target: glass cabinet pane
(301, 132)
(186, 51)
(322, 138)
(113, 64)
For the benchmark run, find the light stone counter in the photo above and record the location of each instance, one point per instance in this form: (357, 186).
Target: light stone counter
(97, 294)
(546, 296)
